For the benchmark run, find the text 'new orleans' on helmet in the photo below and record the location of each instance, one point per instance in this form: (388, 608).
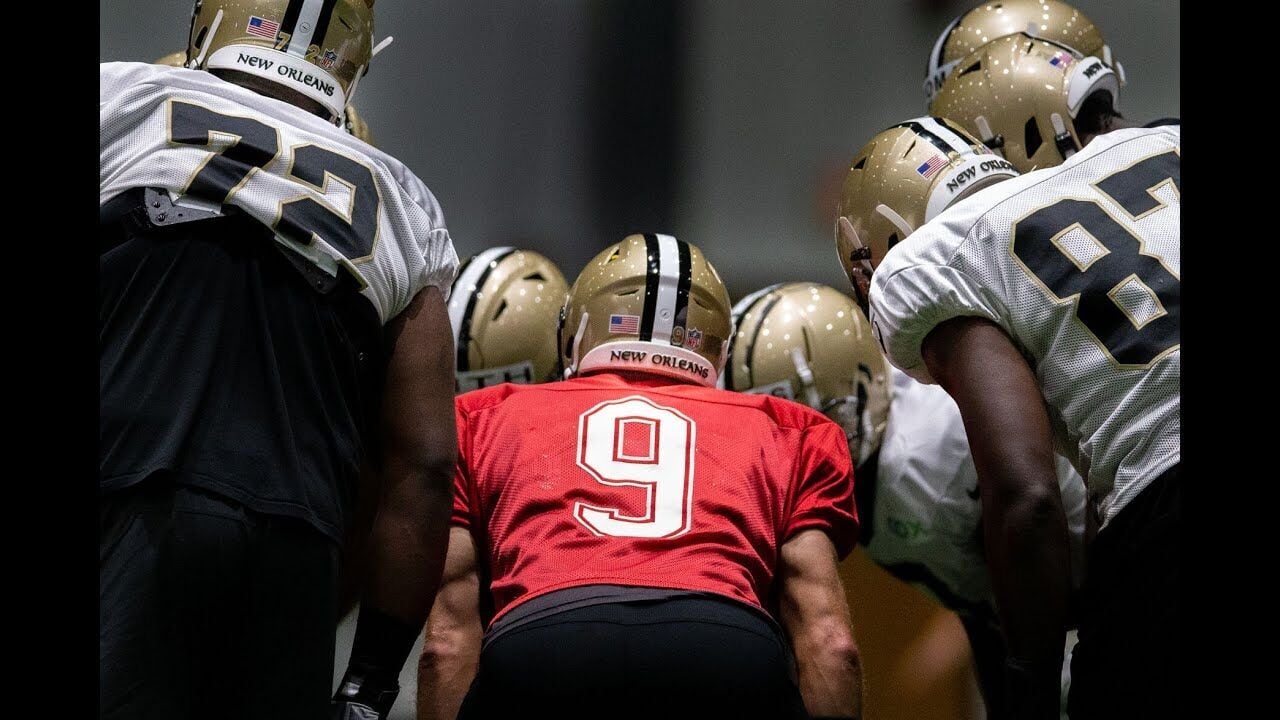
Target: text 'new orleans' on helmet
(504, 309)
(901, 179)
(652, 304)
(354, 123)
(810, 343)
(319, 48)
(1022, 95)
(1046, 19)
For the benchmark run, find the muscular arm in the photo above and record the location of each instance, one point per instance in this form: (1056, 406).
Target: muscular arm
(813, 609)
(451, 651)
(1025, 529)
(410, 532)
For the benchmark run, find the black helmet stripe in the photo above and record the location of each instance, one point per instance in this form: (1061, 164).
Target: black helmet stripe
(651, 277)
(463, 341)
(322, 24)
(291, 13)
(683, 281)
(751, 346)
(740, 311)
(667, 280)
(302, 21)
(933, 135)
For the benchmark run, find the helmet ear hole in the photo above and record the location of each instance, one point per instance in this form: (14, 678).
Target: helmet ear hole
(199, 41)
(861, 163)
(535, 276)
(893, 240)
(1032, 139)
(972, 68)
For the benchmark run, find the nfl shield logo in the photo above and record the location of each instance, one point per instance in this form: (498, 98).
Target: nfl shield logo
(328, 60)
(693, 339)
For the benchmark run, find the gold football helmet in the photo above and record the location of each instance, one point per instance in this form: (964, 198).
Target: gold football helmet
(900, 180)
(1022, 95)
(1046, 19)
(651, 304)
(810, 343)
(319, 48)
(504, 307)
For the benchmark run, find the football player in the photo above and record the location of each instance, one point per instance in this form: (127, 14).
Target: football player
(1048, 307)
(917, 493)
(263, 275)
(1047, 19)
(504, 309)
(647, 537)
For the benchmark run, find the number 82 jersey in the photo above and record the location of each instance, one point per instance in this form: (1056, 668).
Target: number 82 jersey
(330, 197)
(1080, 265)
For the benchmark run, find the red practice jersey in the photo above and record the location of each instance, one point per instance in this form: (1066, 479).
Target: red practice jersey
(642, 482)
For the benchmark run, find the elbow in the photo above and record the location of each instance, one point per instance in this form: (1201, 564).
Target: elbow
(1034, 509)
(834, 644)
(441, 648)
(844, 653)
(425, 466)
(436, 467)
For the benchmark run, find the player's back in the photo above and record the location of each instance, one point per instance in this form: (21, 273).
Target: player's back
(334, 200)
(606, 479)
(1079, 264)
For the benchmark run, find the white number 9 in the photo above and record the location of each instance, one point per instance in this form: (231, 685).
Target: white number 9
(635, 443)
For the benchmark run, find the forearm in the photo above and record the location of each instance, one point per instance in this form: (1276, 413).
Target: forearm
(830, 677)
(451, 650)
(449, 662)
(1028, 552)
(1023, 523)
(408, 545)
(812, 608)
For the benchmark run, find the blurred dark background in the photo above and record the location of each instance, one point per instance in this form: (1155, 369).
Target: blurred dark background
(562, 125)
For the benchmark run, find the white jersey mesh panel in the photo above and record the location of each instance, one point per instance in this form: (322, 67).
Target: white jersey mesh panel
(412, 248)
(1119, 423)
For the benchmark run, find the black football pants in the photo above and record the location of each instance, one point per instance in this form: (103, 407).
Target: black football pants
(670, 659)
(209, 610)
(1132, 638)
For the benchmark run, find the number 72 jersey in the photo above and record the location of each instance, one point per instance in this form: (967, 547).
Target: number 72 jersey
(330, 197)
(1080, 265)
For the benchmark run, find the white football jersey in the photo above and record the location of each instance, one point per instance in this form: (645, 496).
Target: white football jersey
(926, 515)
(1080, 265)
(332, 198)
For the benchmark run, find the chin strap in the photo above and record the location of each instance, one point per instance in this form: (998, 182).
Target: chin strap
(805, 373)
(1065, 143)
(577, 343)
